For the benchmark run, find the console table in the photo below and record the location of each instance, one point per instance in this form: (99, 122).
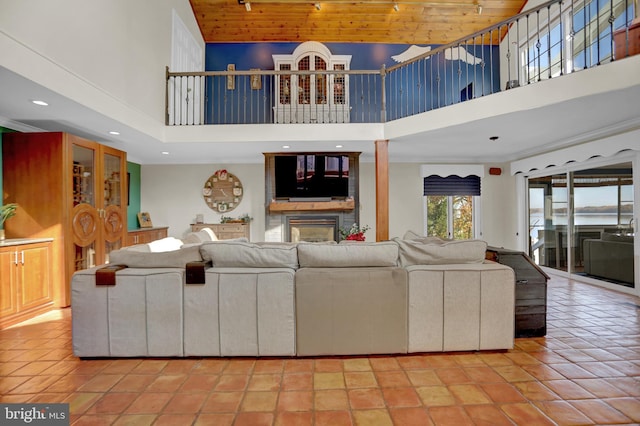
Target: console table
(225, 231)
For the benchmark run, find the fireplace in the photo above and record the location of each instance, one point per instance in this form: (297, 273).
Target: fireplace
(312, 228)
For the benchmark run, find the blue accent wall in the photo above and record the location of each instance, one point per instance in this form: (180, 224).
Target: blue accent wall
(446, 81)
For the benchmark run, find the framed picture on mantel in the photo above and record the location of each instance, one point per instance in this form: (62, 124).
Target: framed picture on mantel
(145, 220)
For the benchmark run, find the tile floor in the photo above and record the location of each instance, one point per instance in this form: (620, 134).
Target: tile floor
(586, 371)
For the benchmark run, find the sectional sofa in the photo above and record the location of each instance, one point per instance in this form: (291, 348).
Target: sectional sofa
(406, 295)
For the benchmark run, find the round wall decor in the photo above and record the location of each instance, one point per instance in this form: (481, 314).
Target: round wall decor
(222, 191)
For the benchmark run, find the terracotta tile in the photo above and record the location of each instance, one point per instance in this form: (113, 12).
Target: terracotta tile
(265, 366)
(174, 419)
(454, 416)
(526, 414)
(600, 412)
(121, 366)
(264, 382)
(167, 383)
(328, 365)
(180, 366)
(514, 373)
(328, 381)
(572, 371)
(483, 375)
(209, 366)
(360, 380)
(401, 397)
(36, 384)
(292, 418)
(535, 391)
(6, 368)
(48, 398)
(33, 368)
(600, 388)
(133, 383)
(184, 403)
(602, 354)
(135, 420)
(378, 417)
(600, 369)
(450, 376)
(295, 401)
(149, 403)
(199, 383)
(433, 396)
(112, 403)
(629, 385)
(150, 366)
(487, 415)
(469, 394)
(223, 402)
(215, 419)
(563, 413)
(495, 359)
(254, 419)
(468, 360)
(232, 382)
(333, 399)
(567, 389)
(298, 366)
(410, 362)
(384, 364)
(300, 381)
(333, 418)
(630, 407)
(388, 379)
(362, 399)
(442, 361)
(424, 378)
(628, 368)
(410, 416)
(239, 366)
(356, 364)
(503, 392)
(543, 372)
(96, 420)
(80, 402)
(259, 401)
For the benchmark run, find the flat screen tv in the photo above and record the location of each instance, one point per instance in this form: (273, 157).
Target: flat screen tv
(312, 176)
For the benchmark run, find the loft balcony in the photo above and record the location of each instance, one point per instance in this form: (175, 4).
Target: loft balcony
(549, 41)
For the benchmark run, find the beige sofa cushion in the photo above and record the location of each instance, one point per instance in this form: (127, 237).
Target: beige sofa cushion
(416, 252)
(201, 236)
(166, 259)
(360, 254)
(243, 254)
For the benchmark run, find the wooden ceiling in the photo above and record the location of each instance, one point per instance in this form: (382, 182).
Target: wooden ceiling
(362, 21)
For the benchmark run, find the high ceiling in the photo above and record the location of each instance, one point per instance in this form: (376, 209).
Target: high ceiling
(366, 21)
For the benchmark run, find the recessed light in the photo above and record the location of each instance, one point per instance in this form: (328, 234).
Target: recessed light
(165, 152)
(113, 132)
(286, 146)
(41, 103)
(338, 146)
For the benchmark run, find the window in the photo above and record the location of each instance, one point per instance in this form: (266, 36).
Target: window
(450, 203)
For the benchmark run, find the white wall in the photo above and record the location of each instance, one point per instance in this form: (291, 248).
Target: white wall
(95, 51)
(173, 197)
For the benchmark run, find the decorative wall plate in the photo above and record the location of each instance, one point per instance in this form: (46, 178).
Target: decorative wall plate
(222, 191)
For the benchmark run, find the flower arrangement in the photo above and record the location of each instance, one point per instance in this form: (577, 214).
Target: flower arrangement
(245, 218)
(354, 233)
(6, 212)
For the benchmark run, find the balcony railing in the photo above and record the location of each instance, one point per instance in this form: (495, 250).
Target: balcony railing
(548, 41)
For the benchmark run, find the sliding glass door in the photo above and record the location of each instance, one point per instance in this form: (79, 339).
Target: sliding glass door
(581, 222)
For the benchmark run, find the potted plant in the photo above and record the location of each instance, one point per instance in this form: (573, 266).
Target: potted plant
(6, 211)
(354, 233)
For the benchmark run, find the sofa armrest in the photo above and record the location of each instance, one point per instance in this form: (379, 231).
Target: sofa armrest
(195, 272)
(107, 275)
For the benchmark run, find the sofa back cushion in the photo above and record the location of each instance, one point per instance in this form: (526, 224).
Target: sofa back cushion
(165, 259)
(243, 254)
(360, 254)
(416, 252)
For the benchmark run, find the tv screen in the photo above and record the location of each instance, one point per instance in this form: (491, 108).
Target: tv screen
(312, 176)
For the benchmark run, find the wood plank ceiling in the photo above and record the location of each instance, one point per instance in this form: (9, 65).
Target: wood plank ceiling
(362, 21)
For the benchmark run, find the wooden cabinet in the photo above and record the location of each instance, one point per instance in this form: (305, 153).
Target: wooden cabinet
(225, 231)
(70, 189)
(531, 291)
(146, 235)
(25, 281)
(312, 96)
